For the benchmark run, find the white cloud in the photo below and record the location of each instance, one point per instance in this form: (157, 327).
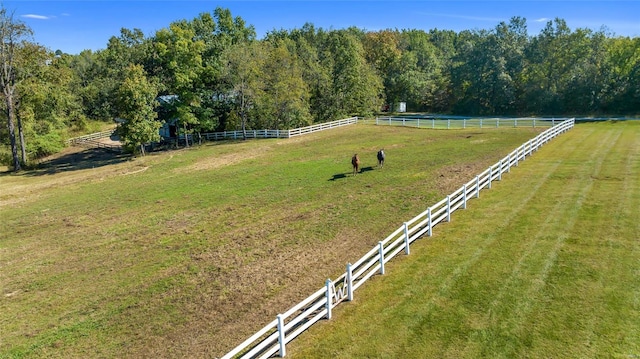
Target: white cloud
(37, 17)
(542, 19)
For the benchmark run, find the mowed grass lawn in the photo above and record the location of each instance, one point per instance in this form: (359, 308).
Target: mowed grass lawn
(546, 264)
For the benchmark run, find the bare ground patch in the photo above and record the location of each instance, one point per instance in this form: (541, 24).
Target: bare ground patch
(228, 159)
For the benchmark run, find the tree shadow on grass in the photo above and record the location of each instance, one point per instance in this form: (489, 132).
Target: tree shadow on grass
(81, 160)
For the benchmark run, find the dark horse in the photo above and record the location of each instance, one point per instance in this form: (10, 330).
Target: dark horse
(380, 158)
(355, 161)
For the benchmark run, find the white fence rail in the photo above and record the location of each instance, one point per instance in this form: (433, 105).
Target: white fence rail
(323, 126)
(451, 123)
(89, 140)
(272, 339)
(92, 136)
(234, 135)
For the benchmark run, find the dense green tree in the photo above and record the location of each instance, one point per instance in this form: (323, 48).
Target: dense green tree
(49, 107)
(284, 103)
(623, 95)
(218, 32)
(356, 88)
(424, 73)
(549, 63)
(243, 70)
(488, 65)
(309, 47)
(180, 57)
(136, 102)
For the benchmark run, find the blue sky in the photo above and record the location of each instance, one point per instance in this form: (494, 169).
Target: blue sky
(76, 25)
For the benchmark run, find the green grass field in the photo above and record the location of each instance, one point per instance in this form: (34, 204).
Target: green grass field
(187, 253)
(546, 264)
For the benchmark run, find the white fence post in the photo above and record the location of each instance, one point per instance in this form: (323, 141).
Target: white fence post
(477, 186)
(464, 196)
(448, 208)
(381, 252)
(500, 171)
(328, 284)
(429, 227)
(283, 349)
(349, 282)
(406, 238)
(490, 176)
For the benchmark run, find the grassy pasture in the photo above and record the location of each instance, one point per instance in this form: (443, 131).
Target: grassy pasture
(187, 253)
(545, 265)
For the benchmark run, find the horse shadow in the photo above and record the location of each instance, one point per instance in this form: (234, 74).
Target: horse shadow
(344, 175)
(338, 176)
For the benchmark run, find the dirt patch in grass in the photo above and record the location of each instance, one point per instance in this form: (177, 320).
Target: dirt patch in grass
(226, 159)
(453, 177)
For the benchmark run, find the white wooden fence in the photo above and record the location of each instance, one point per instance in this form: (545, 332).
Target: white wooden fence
(460, 122)
(91, 141)
(272, 339)
(92, 136)
(234, 135)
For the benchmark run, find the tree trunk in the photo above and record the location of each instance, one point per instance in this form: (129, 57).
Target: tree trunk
(23, 145)
(243, 117)
(186, 139)
(12, 130)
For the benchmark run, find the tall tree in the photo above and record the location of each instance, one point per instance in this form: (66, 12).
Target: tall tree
(180, 57)
(218, 31)
(624, 86)
(47, 106)
(549, 64)
(285, 103)
(356, 87)
(243, 70)
(309, 44)
(136, 101)
(13, 34)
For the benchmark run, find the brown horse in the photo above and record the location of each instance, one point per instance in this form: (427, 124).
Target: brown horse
(355, 161)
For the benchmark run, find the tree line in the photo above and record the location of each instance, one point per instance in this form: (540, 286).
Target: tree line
(211, 73)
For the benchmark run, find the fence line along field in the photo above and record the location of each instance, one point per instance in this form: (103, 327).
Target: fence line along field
(544, 265)
(187, 253)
